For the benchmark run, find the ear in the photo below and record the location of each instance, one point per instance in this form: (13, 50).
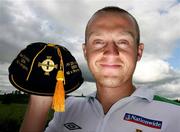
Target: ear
(140, 51)
(84, 50)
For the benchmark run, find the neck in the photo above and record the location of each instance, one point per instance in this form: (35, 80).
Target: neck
(108, 96)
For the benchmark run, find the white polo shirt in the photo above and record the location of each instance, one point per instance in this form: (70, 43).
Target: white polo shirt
(140, 112)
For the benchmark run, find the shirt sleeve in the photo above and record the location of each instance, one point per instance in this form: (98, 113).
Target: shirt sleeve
(56, 124)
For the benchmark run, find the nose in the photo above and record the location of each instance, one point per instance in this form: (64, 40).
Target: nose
(111, 49)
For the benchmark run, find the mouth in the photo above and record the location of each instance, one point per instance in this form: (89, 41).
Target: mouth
(110, 66)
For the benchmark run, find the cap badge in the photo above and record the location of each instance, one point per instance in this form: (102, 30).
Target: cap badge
(47, 65)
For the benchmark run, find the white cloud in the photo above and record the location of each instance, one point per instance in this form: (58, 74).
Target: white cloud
(170, 87)
(157, 74)
(152, 69)
(5, 86)
(159, 29)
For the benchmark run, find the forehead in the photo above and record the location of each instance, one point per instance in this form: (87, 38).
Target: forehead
(121, 23)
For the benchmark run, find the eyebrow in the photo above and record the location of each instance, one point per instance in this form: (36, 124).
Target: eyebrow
(126, 33)
(94, 33)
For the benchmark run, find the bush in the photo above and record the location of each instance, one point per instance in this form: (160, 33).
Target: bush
(11, 116)
(9, 125)
(14, 98)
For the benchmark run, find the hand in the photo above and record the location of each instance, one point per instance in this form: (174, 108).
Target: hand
(36, 114)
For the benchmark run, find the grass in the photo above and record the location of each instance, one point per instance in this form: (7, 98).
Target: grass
(11, 116)
(12, 110)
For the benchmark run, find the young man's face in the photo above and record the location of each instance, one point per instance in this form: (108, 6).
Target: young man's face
(111, 49)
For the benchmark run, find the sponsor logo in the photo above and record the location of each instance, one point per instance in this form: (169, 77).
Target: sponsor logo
(72, 126)
(143, 121)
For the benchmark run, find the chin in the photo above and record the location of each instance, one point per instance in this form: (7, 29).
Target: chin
(111, 82)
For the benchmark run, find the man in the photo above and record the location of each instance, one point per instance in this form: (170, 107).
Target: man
(112, 48)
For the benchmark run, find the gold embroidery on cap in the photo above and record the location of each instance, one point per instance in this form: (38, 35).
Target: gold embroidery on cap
(138, 130)
(47, 65)
(32, 64)
(73, 67)
(23, 61)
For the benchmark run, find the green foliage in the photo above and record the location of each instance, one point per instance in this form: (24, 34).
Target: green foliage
(9, 126)
(15, 97)
(11, 116)
(12, 110)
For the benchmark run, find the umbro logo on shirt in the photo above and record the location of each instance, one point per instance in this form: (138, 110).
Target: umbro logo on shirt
(72, 126)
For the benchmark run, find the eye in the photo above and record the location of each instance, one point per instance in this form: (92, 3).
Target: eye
(122, 43)
(98, 43)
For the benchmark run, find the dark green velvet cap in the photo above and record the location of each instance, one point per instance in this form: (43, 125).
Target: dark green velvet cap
(35, 68)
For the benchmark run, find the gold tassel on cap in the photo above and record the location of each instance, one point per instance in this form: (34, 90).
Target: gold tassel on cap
(59, 94)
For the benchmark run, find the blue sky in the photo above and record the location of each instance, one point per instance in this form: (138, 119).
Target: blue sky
(63, 22)
(174, 60)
